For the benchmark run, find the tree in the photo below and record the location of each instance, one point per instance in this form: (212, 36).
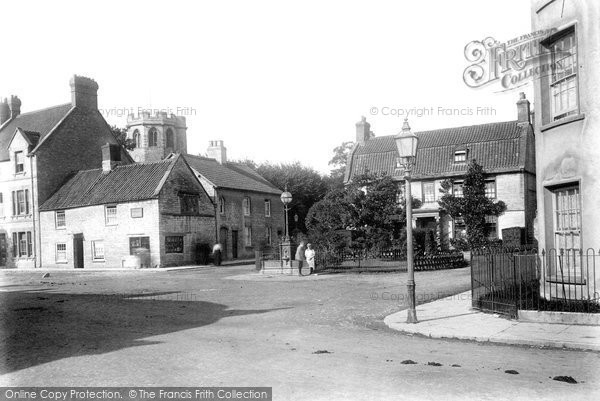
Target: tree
(304, 183)
(473, 206)
(121, 137)
(339, 161)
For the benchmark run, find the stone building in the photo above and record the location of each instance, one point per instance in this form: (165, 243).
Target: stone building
(99, 218)
(38, 151)
(504, 149)
(248, 209)
(567, 124)
(156, 135)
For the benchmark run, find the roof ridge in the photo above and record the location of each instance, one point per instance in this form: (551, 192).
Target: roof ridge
(44, 109)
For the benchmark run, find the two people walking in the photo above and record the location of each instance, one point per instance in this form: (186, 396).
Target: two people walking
(305, 254)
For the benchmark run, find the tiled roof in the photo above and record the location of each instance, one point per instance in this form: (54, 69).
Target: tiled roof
(498, 147)
(39, 121)
(231, 175)
(123, 184)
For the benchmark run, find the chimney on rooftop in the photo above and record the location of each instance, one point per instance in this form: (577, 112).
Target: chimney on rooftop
(523, 109)
(84, 92)
(111, 156)
(216, 150)
(4, 111)
(363, 130)
(15, 106)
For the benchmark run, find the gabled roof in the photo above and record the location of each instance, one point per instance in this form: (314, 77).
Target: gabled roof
(231, 175)
(40, 121)
(498, 147)
(132, 182)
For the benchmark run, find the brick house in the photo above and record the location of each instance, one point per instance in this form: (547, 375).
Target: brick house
(38, 151)
(100, 218)
(248, 209)
(504, 149)
(567, 123)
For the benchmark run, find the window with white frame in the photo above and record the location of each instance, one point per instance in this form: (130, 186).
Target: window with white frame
(491, 227)
(19, 162)
(267, 208)
(22, 244)
(460, 156)
(98, 250)
(61, 252)
(246, 206)
(60, 219)
(457, 189)
(428, 191)
(490, 189)
(20, 202)
(110, 214)
(563, 80)
(248, 235)
(567, 218)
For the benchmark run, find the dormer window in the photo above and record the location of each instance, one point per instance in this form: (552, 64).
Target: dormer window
(19, 163)
(460, 156)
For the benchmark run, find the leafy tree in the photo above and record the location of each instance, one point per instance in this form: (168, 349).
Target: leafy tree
(473, 206)
(304, 183)
(339, 161)
(121, 137)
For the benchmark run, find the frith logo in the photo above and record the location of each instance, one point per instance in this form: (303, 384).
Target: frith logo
(511, 64)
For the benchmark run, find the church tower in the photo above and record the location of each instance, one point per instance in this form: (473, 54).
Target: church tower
(156, 135)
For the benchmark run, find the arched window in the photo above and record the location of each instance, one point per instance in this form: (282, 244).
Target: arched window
(152, 137)
(136, 138)
(222, 205)
(170, 142)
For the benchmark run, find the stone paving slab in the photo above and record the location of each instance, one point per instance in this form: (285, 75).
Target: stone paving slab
(453, 317)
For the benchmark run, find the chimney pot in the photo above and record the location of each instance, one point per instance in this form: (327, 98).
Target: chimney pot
(111, 156)
(216, 150)
(363, 130)
(523, 109)
(15, 106)
(4, 111)
(84, 92)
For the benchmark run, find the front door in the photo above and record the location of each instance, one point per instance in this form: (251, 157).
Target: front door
(78, 251)
(3, 250)
(234, 244)
(223, 241)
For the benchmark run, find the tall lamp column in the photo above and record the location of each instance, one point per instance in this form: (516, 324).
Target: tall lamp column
(406, 143)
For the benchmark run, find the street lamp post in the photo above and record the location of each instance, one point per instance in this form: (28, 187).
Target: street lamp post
(286, 245)
(406, 143)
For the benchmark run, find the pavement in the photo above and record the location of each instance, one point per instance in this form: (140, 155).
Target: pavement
(453, 317)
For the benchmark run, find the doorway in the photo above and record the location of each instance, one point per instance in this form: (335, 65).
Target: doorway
(78, 251)
(234, 244)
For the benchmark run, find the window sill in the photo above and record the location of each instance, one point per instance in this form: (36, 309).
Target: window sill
(99, 261)
(577, 280)
(62, 262)
(562, 121)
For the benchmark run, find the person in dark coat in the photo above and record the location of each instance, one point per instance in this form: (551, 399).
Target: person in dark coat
(217, 254)
(300, 257)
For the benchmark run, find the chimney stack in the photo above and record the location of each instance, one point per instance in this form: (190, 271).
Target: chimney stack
(523, 109)
(4, 111)
(217, 151)
(363, 130)
(111, 156)
(15, 106)
(84, 92)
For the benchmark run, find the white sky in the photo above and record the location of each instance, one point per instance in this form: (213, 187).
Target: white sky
(276, 80)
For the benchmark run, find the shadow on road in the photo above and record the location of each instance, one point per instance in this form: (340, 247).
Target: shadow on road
(37, 327)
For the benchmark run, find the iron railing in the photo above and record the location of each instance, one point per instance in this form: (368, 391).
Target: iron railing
(504, 281)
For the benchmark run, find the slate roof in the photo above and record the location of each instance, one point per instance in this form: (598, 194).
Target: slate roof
(132, 182)
(40, 121)
(498, 147)
(231, 175)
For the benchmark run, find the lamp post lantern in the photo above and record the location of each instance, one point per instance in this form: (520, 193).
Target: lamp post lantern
(406, 143)
(286, 198)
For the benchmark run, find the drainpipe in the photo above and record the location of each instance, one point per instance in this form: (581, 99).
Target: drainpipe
(33, 209)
